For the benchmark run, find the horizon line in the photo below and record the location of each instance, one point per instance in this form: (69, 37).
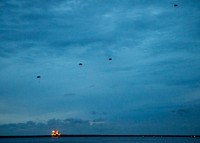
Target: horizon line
(96, 135)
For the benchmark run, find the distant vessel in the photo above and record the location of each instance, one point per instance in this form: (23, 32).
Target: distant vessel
(55, 133)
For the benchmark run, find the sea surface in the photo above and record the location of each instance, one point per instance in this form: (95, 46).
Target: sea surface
(102, 140)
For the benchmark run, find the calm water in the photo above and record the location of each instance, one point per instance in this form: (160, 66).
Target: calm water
(101, 140)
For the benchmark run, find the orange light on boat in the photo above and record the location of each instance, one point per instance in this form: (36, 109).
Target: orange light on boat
(55, 133)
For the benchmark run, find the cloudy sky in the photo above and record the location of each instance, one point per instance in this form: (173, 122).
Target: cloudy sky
(151, 85)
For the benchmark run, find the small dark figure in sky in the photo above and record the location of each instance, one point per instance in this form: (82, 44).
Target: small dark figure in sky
(175, 5)
(80, 64)
(38, 77)
(110, 59)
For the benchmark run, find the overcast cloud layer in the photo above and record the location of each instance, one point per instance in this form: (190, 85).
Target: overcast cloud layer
(151, 85)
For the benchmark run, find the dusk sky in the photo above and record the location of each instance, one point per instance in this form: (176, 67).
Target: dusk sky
(151, 85)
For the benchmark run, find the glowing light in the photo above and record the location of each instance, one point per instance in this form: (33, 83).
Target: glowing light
(55, 133)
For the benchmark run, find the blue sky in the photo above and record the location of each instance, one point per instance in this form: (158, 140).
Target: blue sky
(151, 85)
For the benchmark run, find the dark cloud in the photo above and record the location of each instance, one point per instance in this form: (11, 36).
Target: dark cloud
(187, 110)
(69, 94)
(182, 112)
(75, 121)
(45, 128)
(93, 112)
(141, 121)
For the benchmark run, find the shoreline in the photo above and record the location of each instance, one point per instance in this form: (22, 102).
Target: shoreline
(98, 135)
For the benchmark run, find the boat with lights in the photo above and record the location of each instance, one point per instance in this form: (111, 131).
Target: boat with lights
(55, 133)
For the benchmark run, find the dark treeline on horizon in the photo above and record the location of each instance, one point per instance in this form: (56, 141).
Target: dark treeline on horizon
(98, 135)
